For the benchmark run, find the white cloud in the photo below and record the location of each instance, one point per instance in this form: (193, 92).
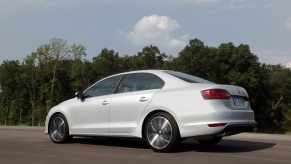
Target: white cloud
(288, 24)
(288, 65)
(158, 30)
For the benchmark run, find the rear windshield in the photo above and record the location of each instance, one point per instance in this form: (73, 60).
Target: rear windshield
(187, 77)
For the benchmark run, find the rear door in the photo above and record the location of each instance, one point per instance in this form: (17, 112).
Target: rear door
(134, 94)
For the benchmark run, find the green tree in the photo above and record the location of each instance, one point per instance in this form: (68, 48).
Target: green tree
(78, 71)
(228, 64)
(197, 59)
(57, 69)
(150, 58)
(12, 93)
(280, 86)
(106, 63)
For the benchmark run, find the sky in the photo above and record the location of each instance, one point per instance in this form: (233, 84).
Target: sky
(126, 26)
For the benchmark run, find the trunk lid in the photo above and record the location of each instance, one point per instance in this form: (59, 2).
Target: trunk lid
(239, 99)
(233, 90)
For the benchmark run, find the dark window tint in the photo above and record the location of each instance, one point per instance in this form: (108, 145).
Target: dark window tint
(104, 87)
(140, 81)
(187, 77)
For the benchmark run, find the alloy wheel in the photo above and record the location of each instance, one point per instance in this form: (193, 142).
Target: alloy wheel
(159, 132)
(57, 129)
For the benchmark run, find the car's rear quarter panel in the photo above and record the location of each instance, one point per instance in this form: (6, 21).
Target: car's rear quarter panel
(193, 113)
(184, 103)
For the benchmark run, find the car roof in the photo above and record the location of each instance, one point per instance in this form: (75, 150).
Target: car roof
(143, 71)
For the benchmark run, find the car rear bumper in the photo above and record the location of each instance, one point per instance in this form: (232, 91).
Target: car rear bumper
(196, 121)
(230, 128)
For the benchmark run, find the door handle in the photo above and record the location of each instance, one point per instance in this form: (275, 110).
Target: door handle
(105, 102)
(143, 99)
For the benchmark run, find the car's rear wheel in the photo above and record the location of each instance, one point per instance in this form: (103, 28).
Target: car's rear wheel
(162, 132)
(58, 129)
(210, 142)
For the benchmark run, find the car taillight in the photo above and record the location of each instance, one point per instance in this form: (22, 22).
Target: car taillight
(215, 94)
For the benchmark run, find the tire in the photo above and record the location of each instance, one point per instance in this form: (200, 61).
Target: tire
(210, 142)
(162, 132)
(59, 129)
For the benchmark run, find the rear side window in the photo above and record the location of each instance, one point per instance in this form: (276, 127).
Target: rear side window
(140, 81)
(187, 77)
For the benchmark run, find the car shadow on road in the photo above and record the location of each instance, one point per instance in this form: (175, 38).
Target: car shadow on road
(112, 141)
(226, 146)
(189, 145)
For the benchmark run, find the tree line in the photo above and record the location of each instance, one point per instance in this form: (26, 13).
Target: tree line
(57, 69)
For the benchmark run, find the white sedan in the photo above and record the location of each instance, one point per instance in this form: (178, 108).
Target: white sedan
(160, 106)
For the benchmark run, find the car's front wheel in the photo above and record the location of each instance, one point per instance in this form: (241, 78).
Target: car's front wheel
(161, 132)
(58, 129)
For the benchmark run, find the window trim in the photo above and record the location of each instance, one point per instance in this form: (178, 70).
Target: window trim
(117, 88)
(124, 77)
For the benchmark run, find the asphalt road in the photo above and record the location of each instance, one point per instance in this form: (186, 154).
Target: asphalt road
(25, 145)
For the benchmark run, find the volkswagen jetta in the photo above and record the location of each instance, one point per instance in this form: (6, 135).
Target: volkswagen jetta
(160, 106)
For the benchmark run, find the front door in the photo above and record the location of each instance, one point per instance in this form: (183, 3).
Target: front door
(91, 114)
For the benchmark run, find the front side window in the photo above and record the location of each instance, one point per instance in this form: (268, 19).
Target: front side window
(140, 81)
(104, 87)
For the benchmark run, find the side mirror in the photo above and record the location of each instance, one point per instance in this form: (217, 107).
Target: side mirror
(79, 95)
